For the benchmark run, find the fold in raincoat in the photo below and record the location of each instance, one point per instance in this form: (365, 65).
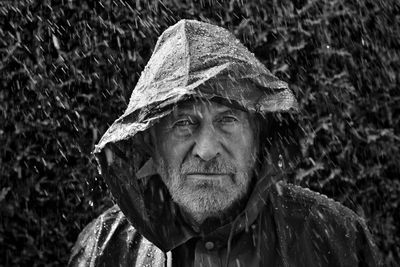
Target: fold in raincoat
(281, 225)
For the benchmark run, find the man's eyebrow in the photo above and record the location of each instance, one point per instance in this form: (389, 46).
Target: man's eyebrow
(183, 105)
(230, 111)
(183, 111)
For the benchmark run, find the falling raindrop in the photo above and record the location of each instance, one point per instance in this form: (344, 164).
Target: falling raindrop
(280, 161)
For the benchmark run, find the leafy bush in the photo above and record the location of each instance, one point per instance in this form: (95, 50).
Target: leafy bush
(68, 68)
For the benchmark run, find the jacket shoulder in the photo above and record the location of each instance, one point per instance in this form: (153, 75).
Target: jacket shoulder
(297, 197)
(324, 223)
(302, 205)
(111, 240)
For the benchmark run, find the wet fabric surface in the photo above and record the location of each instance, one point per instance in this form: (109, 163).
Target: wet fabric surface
(296, 227)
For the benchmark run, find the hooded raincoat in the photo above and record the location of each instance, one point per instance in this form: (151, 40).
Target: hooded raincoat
(281, 224)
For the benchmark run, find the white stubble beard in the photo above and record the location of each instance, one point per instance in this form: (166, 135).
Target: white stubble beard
(203, 199)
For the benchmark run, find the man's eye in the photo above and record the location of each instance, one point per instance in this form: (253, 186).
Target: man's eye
(183, 123)
(228, 119)
(184, 127)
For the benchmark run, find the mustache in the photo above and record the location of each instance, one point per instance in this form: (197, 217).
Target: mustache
(195, 165)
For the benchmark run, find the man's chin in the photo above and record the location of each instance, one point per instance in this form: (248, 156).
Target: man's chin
(203, 198)
(206, 190)
(206, 200)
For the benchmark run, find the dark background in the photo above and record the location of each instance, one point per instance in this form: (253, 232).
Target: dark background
(68, 67)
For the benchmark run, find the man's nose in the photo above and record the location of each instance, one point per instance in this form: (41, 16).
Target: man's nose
(207, 145)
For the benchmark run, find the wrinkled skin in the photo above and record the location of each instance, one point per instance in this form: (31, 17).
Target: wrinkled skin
(206, 154)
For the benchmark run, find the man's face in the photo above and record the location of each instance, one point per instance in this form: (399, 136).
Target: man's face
(205, 153)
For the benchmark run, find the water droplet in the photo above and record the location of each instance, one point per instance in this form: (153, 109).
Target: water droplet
(280, 161)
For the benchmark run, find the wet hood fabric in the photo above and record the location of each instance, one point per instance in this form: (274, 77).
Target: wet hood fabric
(196, 58)
(191, 59)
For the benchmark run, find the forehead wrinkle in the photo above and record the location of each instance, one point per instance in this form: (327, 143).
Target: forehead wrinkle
(200, 106)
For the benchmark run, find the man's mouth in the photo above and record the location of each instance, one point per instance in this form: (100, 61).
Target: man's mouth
(220, 177)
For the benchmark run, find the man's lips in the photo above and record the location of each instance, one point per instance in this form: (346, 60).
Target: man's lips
(208, 176)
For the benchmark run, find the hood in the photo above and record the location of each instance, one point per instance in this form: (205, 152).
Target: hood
(190, 59)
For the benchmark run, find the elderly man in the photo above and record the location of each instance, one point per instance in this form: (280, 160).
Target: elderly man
(195, 164)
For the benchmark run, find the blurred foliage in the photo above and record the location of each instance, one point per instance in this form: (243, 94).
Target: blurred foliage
(68, 67)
